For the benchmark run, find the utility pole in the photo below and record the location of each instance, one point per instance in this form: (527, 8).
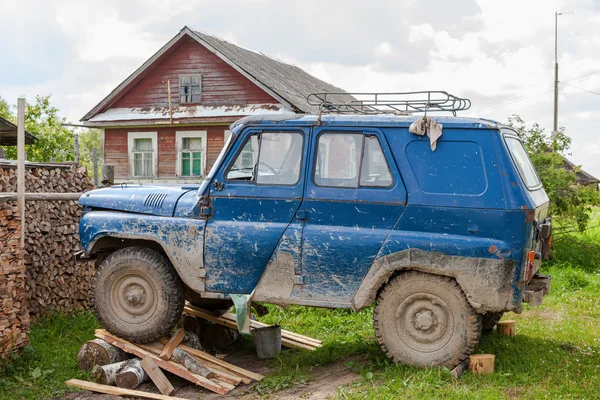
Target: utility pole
(555, 128)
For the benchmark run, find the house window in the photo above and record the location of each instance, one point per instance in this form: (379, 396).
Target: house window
(191, 153)
(143, 153)
(189, 88)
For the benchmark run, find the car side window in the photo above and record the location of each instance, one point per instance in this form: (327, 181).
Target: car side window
(269, 158)
(351, 160)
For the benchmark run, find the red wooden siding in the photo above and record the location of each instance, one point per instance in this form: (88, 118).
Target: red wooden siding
(116, 151)
(221, 84)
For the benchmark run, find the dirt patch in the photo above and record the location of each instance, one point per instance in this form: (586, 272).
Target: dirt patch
(323, 383)
(514, 392)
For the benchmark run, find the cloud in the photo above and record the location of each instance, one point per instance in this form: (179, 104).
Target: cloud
(498, 53)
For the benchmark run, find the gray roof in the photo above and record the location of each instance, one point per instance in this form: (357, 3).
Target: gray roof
(287, 83)
(8, 134)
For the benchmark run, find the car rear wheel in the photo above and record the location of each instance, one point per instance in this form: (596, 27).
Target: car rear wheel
(137, 294)
(490, 320)
(426, 320)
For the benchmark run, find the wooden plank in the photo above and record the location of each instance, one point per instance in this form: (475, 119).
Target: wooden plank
(21, 166)
(284, 333)
(223, 364)
(287, 342)
(175, 340)
(157, 376)
(42, 196)
(170, 366)
(219, 374)
(115, 391)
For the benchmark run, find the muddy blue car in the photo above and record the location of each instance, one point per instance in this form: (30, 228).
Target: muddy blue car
(335, 210)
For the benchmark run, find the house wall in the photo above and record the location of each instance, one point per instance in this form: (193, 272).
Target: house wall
(221, 84)
(116, 150)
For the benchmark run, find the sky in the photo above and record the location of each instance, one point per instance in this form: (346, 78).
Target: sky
(499, 54)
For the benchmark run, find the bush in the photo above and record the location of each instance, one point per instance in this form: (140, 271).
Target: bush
(576, 250)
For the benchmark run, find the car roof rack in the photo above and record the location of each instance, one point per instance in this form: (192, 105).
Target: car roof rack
(399, 103)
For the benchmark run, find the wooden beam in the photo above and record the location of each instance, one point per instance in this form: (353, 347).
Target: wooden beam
(41, 196)
(175, 340)
(157, 376)
(285, 341)
(170, 366)
(115, 391)
(21, 166)
(223, 364)
(219, 372)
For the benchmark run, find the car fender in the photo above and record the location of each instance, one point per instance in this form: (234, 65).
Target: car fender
(486, 282)
(180, 238)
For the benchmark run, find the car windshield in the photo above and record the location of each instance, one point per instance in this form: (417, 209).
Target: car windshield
(522, 162)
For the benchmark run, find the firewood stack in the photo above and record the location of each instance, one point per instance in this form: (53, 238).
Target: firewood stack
(14, 317)
(53, 280)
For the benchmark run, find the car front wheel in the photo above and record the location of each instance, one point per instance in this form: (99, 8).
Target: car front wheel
(137, 294)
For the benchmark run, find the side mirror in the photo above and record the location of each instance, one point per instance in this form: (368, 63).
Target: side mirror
(219, 186)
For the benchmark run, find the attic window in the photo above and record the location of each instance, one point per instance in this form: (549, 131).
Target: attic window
(189, 88)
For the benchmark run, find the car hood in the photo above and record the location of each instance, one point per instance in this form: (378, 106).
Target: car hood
(143, 199)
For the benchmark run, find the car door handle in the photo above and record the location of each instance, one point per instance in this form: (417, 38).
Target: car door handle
(302, 215)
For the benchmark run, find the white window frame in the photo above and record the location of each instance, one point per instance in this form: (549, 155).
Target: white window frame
(179, 136)
(143, 135)
(226, 136)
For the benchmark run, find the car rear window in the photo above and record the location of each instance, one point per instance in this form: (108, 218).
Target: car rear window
(522, 162)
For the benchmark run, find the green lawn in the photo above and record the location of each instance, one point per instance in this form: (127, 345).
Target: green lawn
(556, 353)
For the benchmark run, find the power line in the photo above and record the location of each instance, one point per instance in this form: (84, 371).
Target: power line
(585, 90)
(525, 96)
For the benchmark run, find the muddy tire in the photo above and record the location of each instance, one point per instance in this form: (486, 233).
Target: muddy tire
(425, 320)
(489, 321)
(138, 296)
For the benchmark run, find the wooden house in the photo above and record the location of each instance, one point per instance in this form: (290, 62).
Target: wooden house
(168, 121)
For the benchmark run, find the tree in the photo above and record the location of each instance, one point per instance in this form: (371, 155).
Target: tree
(89, 140)
(571, 202)
(54, 141)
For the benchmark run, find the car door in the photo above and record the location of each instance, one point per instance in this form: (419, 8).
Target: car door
(352, 201)
(253, 198)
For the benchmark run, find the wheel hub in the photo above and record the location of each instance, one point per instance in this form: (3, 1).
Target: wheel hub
(424, 322)
(133, 298)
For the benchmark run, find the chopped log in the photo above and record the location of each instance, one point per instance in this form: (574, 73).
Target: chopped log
(131, 375)
(175, 340)
(217, 336)
(157, 376)
(224, 364)
(482, 363)
(115, 391)
(98, 352)
(190, 339)
(183, 358)
(105, 374)
(507, 328)
(219, 372)
(170, 366)
(191, 324)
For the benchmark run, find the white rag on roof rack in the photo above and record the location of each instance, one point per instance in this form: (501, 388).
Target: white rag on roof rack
(426, 125)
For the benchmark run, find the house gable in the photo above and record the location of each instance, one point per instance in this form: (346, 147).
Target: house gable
(220, 83)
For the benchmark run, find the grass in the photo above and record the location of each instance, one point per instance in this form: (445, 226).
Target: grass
(556, 353)
(40, 370)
